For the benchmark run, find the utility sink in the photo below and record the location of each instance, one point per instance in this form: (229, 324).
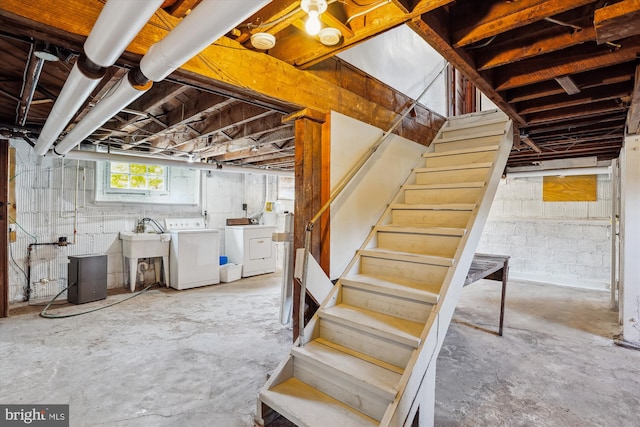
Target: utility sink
(146, 245)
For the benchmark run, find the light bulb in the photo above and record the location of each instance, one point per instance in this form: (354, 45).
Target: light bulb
(313, 25)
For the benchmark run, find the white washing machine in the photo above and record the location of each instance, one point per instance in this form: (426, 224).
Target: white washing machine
(252, 246)
(194, 255)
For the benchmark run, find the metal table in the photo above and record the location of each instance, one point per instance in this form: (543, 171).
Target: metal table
(492, 267)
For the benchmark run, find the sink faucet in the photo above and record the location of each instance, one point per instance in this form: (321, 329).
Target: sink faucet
(140, 226)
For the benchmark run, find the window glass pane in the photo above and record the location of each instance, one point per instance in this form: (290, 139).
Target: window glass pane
(119, 167)
(155, 170)
(137, 168)
(138, 182)
(155, 183)
(119, 180)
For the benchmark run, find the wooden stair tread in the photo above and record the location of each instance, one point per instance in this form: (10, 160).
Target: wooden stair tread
(436, 206)
(393, 328)
(469, 136)
(396, 287)
(359, 355)
(415, 229)
(493, 147)
(475, 184)
(407, 256)
(305, 406)
(454, 167)
(376, 379)
(468, 124)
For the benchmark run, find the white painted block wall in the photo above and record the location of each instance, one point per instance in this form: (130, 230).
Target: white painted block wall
(45, 210)
(563, 243)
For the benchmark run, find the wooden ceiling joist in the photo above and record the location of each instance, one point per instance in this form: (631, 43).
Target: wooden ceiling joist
(633, 120)
(554, 102)
(500, 17)
(586, 110)
(617, 21)
(560, 64)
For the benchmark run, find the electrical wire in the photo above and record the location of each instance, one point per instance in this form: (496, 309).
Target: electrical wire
(22, 228)
(46, 315)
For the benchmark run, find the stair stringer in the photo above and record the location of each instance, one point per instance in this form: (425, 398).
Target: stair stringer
(421, 364)
(401, 412)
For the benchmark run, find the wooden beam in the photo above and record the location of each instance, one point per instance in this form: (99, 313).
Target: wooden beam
(562, 101)
(633, 118)
(180, 8)
(516, 51)
(501, 17)
(617, 21)
(231, 70)
(593, 109)
(4, 226)
(605, 76)
(563, 63)
(432, 27)
(530, 143)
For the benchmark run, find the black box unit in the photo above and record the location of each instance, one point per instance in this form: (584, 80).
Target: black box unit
(87, 278)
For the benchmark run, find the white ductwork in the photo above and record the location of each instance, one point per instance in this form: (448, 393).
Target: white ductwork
(209, 21)
(117, 25)
(133, 158)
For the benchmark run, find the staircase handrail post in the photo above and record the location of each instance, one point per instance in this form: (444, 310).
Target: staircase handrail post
(344, 182)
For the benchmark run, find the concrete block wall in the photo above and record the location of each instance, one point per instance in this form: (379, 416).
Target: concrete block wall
(45, 201)
(563, 243)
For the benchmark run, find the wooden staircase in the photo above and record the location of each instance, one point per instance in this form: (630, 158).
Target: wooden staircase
(370, 350)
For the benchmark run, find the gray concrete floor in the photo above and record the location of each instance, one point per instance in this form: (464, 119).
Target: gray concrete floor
(199, 357)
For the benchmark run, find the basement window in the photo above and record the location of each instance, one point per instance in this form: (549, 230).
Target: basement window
(146, 183)
(136, 177)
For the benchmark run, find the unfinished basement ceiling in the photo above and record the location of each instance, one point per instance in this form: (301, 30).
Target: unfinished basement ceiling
(563, 70)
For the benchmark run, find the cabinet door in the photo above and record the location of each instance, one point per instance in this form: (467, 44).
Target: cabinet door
(259, 248)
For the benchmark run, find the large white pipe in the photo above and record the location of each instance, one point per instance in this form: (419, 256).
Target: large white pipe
(132, 158)
(600, 170)
(117, 25)
(210, 20)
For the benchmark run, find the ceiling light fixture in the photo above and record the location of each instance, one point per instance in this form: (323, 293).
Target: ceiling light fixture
(313, 8)
(191, 157)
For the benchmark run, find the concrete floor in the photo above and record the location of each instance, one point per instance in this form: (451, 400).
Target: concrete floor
(199, 357)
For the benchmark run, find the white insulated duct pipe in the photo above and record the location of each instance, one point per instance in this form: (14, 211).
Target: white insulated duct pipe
(209, 21)
(599, 170)
(129, 158)
(117, 25)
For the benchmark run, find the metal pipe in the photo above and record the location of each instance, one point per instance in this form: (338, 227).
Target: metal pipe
(204, 25)
(27, 99)
(129, 158)
(613, 303)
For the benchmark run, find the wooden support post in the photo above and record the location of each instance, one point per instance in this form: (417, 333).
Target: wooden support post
(312, 191)
(4, 225)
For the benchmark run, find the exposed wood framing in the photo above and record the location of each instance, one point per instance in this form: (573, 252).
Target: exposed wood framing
(432, 27)
(312, 188)
(530, 143)
(501, 17)
(633, 118)
(4, 226)
(617, 21)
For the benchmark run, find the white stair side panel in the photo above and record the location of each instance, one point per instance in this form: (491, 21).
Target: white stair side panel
(318, 284)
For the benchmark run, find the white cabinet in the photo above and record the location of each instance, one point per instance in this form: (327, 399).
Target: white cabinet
(252, 246)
